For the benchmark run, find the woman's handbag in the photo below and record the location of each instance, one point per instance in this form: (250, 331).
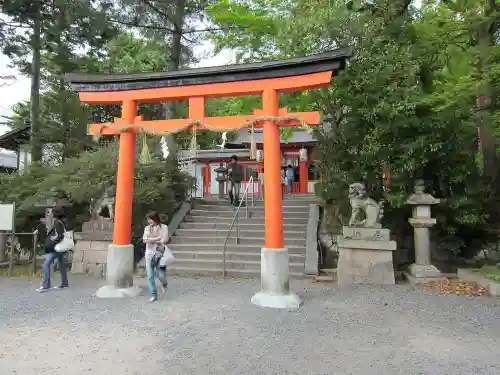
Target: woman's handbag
(167, 257)
(67, 243)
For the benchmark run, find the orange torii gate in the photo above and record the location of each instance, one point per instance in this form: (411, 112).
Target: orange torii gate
(266, 79)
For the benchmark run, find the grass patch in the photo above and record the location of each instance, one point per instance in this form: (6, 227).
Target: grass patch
(491, 272)
(22, 271)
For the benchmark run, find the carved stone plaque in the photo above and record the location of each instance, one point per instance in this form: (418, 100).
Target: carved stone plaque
(373, 234)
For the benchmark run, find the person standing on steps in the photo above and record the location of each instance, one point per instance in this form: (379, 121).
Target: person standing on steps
(155, 237)
(283, 183)
(261, 183)
(235, 177)
(290, 177)
(53, 237)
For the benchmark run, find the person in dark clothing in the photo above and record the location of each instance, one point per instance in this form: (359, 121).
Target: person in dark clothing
(235, 178)
(54, 236)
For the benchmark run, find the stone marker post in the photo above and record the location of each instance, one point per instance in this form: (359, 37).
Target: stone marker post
(3, 247)
(422, 270)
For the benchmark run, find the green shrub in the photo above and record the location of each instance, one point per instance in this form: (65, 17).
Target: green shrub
(159, 186)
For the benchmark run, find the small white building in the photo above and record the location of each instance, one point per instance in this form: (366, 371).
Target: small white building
(16, 149)
(8, 161)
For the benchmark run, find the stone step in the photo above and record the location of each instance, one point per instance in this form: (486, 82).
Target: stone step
(243, 226)
(230, 256)
(217, 264)
(242, 213)
(286, 202)
(174, 270)
(251, 233)
(256, 208)
(294, 203)
(242, 219)
(230, 247)
(210, 239)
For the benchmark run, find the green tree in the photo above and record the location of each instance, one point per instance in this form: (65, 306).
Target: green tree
(52, 35)
(396, 105)
(160, 186)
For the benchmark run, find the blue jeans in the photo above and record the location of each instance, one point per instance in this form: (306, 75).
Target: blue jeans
(289, 182)
(49, 259)
(150, 272)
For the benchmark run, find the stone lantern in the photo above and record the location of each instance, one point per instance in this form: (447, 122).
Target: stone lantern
(50, 203)
(221, 178)
(422, 270)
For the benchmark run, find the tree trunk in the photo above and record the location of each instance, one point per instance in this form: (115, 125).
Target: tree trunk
(173, 63)
(485, 99)
(485, 102)
(66, 151)
(35, 141)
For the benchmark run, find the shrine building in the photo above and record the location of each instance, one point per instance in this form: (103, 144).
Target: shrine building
(296, 151)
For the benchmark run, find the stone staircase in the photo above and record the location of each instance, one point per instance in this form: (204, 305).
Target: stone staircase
(198, 243)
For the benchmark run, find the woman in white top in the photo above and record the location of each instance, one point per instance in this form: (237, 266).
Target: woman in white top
(155, 237)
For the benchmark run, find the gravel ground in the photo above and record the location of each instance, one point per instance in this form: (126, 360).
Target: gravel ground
(206, 326)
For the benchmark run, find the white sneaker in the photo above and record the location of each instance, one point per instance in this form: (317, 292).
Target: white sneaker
(42, 289)
(163, 290)
(152, 299)
(59, 287)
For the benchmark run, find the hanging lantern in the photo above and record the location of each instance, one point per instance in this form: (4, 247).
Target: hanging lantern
(303, 154)
(260, 156)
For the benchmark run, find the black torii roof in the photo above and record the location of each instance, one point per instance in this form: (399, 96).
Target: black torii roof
(328, 61)
(12, 139)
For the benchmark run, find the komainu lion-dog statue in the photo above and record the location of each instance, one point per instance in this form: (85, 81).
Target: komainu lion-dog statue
(105, 202)
(363, 205)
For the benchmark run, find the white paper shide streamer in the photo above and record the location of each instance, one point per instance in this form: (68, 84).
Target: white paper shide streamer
(164, 147)
(224, 140)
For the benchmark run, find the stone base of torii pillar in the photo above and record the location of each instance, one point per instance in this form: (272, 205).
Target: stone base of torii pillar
(275, 281)
(119, 274)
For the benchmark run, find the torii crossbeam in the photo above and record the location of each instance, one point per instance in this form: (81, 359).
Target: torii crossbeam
(267, 79)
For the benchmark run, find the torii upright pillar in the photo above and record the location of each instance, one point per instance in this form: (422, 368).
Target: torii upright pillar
(275, 284)
(120, 257)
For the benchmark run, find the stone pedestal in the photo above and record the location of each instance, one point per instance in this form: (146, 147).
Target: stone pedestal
(95, 255)
(222, 194)
(275, 281)
(419, 273)
(365, 256)
(90, 255)
(422, 270)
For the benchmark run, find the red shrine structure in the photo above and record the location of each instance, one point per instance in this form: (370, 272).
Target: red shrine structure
(266, 79)
(296, 151)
